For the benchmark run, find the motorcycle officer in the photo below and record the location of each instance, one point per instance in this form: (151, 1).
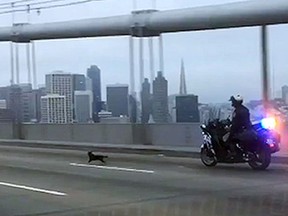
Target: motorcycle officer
(240, 123)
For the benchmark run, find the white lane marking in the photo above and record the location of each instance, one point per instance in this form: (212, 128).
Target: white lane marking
(56, 193)
(113, 168)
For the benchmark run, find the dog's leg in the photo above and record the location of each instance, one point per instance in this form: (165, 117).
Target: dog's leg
(90, 156)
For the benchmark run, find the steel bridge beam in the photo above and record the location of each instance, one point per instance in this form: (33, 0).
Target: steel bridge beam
(152, 22)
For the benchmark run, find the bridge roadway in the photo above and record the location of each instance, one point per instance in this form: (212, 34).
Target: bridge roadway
(60, 182)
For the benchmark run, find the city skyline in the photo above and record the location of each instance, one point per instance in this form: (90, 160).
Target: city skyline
(205, 54)
(103, 89)
(63, 87)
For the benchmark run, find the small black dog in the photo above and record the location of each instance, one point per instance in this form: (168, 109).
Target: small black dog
(93, 157)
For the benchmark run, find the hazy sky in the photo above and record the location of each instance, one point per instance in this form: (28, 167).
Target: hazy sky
(218, 63)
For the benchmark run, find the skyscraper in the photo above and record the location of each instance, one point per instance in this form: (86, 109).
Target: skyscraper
(83, 106)
(94, 74)
(79, 82)
(132, 109)
(117, 100)
(19, 99)
(27, 102)
(62, 84)
(25, 87)
(4, 93)
(88, 83)
(160, 99)
(33, 98)
(285, 93)
(15, 102)
(27, 105)
(3, 104)
(172, 106)
(53, 109)
(38, 93)
(183, 89)
(187, 108)
(6, 115)
(145, 101)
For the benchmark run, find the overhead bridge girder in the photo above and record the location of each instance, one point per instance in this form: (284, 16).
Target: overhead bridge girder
(139, 22)
(152, 23)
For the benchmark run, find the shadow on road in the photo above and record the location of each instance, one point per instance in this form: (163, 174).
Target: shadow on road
(235, 169)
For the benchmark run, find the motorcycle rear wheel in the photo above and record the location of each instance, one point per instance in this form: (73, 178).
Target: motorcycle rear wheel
(209, 161)
(262, 161)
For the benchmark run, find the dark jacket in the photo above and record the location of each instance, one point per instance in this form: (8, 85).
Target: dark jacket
(240, 120)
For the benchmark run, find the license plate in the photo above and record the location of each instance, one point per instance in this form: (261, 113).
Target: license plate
(270, 141)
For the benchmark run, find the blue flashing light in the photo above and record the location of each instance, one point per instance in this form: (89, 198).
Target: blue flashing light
(268, 123)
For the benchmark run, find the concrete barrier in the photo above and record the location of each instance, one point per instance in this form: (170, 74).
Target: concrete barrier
(8, 131)
(46, 132)
(97, 133)
(182, 134)
(149, 134)
(175, 134)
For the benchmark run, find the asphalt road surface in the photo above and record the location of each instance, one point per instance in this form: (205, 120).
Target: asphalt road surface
(57, 182)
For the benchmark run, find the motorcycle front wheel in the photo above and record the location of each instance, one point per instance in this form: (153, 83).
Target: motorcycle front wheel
(262, 159)
(208, 159)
